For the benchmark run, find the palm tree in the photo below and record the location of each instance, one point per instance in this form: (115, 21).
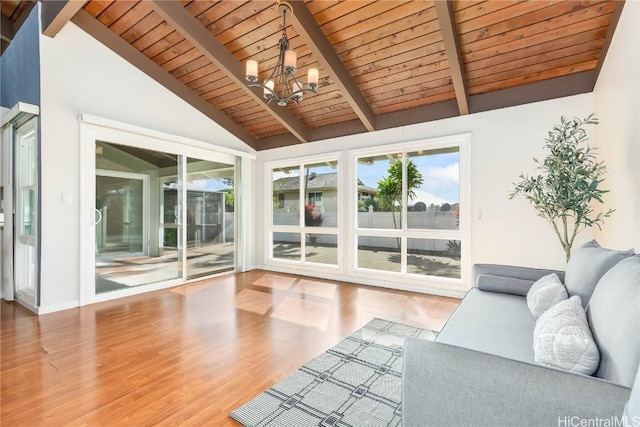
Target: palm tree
(390, 188)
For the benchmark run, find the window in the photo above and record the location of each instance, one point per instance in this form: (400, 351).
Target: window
(304, 220)
(410, 211)
(406, 219)
(315, 199)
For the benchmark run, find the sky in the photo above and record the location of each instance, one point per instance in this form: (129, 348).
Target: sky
(440, 177)
(204, 185)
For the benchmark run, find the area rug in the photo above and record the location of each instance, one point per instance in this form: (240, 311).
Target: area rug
(356, 383)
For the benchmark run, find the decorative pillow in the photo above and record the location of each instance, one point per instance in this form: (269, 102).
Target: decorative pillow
(587, 265)
(545, 293)
(562, 339)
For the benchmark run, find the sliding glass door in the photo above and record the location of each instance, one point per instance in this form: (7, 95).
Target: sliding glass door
(133, 245)
(150, 227)
(210, 217)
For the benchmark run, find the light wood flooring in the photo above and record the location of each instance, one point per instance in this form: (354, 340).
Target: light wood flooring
(184, 356)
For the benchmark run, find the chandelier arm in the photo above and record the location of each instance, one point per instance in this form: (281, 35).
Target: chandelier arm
(295, 94)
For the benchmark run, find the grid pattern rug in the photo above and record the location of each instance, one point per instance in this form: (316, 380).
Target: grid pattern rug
(356, 383)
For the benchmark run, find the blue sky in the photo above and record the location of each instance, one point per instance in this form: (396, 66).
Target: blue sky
(440, 174)
(207, 184)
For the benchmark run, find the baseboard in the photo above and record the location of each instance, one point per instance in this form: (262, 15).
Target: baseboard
(58, 307)
(452, 293)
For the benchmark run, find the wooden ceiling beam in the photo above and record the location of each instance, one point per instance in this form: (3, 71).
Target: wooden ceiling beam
(543, 90)
(425, 113)
(573, 84)
(446, 19)
(104, 35)
(55, 14)
(192, 30)
(9, 28)
(24, 15)
(313, 37)
(6, 30)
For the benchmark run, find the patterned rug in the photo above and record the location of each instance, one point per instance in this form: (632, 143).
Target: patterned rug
(356, 383)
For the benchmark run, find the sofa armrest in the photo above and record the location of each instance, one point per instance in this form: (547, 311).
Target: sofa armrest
(445, 385)
(504, 285)
(523, 273)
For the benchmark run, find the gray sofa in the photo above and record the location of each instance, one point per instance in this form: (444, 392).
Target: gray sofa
(481, 369)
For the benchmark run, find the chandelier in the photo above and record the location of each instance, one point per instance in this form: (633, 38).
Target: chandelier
(282, 85)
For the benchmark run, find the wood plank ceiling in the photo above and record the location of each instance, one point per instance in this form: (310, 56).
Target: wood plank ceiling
(382, 63)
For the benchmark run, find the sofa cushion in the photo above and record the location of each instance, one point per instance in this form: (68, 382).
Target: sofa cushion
(562, 339)
(545, 293)
(614, 317)
(631, 411)
(492, 322)
(587, 265)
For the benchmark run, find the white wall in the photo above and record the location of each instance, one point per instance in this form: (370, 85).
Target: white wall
(81, 76)
(617, 104)
(503, 143)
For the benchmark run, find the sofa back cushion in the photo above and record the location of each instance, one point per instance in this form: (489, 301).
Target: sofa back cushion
(614, 318)
(587, 265)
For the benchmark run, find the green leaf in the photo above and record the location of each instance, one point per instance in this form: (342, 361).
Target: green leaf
(569, 179)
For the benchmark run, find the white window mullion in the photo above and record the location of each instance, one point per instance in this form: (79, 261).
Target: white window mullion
(403, 215)
(301, 196)
(405, 193)
(403, 255)
(182, 198)
(303, 213)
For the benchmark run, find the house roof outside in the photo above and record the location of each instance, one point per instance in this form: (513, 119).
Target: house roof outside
(321, 181)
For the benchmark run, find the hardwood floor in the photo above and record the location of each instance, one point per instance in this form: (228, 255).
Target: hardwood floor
(187, 355)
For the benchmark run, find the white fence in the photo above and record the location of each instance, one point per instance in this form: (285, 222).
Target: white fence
(429, 219)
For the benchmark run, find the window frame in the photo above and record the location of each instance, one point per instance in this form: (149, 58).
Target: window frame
(301, 228)
(463, 234)
(96, 129)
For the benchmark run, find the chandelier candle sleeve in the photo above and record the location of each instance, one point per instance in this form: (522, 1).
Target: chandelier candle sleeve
(268, 88)
(290, 59)
(312, 76)
(252, 70)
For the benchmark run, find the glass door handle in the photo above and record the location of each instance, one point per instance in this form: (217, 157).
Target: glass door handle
(96, 211)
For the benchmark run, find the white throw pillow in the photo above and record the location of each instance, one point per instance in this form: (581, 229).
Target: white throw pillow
(562, 339)
(545, 293)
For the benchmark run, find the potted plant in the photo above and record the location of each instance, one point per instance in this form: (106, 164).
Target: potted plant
(569, 182)
(311, 218)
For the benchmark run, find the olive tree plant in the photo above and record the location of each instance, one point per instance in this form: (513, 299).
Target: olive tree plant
(568, 183)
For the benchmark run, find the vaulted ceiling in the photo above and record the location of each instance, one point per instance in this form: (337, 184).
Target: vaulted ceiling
(382, 64)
